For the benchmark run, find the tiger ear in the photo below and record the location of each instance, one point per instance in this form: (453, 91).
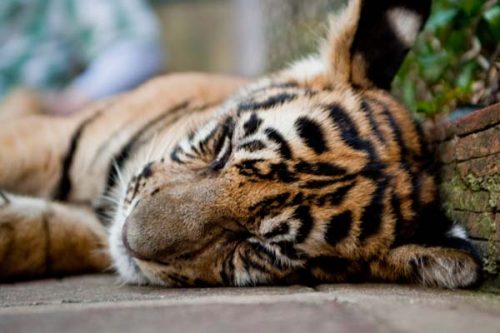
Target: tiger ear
(369, 40)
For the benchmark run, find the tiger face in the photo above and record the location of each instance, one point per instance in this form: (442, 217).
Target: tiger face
(312, 172)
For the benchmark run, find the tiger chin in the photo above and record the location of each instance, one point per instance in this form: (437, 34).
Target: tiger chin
(314, 174)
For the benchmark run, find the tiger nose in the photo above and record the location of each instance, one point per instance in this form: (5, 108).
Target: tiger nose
(169, 221)
(129, 248)
(149, 231)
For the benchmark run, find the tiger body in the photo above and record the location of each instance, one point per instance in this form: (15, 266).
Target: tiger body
(314, 174)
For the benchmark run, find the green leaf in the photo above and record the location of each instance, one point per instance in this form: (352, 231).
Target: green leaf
(472, 7)
(456, 42)
(409, 94)
(466, 76)
(426, 107)
(492, 17)
(433, 66)
(441, 18)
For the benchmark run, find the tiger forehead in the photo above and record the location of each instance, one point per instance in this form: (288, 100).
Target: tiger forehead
(264, 98)
(279, 117)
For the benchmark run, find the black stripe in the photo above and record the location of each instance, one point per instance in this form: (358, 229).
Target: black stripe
(245, 256)
(315, 184)
(221, 162)
(203, 143)
(281, 229)
(64, 186)
(405, 230)
(348, 131)
(277, 171)
(287, 248)
(312, 134)
(319, 169)
(252, 125)
(318, 184)
(406, 155)
(331, 265)
(336, 197)
(180, 281)
(268, 255)
(303, 214)
(269, 203)
(252, 146)
(347, 128)
(121, 157)
(424, 149)
(227, 269)
(371, 219)
(338, 227)
(284, 148)
(268, 103)
(174, 154)
(226, 134)
(396, 131)
(200, 283)
(366, 108)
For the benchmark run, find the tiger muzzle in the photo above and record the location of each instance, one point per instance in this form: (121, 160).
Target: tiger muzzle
(168, 222)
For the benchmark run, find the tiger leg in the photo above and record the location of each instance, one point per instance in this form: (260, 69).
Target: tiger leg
(448, 267)
(42, 238)
(32, 151)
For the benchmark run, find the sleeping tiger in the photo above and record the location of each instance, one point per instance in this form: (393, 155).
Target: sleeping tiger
(314, 174)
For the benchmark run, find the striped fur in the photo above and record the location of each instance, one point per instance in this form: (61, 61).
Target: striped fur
(314, 174)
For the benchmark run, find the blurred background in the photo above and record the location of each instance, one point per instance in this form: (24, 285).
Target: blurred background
(456, 61)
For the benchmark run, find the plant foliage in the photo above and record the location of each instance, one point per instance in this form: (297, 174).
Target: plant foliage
(455, 61)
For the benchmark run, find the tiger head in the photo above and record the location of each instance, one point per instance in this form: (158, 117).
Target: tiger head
(290, 169)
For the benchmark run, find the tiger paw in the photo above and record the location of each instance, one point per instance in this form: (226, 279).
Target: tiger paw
(23, 238)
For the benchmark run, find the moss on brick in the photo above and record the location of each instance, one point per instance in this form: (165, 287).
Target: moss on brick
(472, 193)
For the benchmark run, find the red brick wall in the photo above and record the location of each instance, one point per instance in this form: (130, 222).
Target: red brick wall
(469, 150)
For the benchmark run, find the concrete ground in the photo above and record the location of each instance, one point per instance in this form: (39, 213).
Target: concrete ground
(97, 303)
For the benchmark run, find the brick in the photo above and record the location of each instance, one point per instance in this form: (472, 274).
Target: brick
(471, 123)
(478, 144)
(479, 224)
(485, 248)
(480, 167)
(477, 120)
(448, 172)
(462, 199)
(446, 151)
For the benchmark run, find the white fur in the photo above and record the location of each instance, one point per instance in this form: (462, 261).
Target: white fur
(307, 69)
(447, 272)
(457, 231)
(28, 206)
(405, 24)
(121, 259)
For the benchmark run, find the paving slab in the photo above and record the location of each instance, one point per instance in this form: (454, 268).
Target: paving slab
(417, 309)
(97, 303)
(108, 289)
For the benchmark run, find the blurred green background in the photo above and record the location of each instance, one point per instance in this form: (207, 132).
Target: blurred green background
(455, 62)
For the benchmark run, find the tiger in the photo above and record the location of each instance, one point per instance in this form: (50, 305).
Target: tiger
(312, 174)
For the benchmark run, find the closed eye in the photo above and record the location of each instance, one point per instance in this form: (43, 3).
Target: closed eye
(223, 146)
(223, 156)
